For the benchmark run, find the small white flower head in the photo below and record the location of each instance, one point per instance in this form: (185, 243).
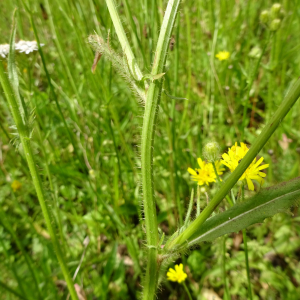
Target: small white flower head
(22, 46)
(211, 151)
(26, 46)
(4, 49)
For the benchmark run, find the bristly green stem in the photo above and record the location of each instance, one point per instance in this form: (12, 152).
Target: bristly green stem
(134, 68)
(25, 140)
(150, 116)
(191, 232)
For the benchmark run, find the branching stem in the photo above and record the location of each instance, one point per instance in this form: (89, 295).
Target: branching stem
(261, 140)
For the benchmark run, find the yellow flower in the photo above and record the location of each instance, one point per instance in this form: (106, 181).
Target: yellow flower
(206, 173)
(223, 55)
(177, 275)
(253, 172)
(16, 185)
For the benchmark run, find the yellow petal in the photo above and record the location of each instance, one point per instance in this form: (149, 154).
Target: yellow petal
(191, 171)
(263, 167)
(250, 184)
(200, 163)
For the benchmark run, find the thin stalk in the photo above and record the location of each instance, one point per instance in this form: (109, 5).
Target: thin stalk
(227, 294)
(252, 78)
(57, 40)
(135, 70)
(260, 141)
(25, 140)
(247, 263)
(246, 251)
(51, 86)
(173, 116)
(189, 211)
(187, 291)
(198, 201)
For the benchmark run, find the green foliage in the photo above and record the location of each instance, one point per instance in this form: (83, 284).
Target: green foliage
(86, 132)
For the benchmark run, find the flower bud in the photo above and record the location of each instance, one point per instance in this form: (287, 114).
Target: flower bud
(92, 173)
(275, 10)
(255, 52)
(264, 17)
(211, 151)
(275, 24)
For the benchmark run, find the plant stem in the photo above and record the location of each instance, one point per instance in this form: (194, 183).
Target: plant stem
(260, 141)
(23, 132)
(53, 94)
(187, 291)
(253, 76)
(247, 263)
(224, 268)
(135, 70)
(246, 250)
(148, 131)
(189, 211)
(198, 201)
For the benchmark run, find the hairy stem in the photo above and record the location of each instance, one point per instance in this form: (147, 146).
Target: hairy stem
(150, 116)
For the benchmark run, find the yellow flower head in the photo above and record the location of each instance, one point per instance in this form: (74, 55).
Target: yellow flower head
(177, 275)
(253, 172)
(206, 173)
(223, 55)
(16, 185)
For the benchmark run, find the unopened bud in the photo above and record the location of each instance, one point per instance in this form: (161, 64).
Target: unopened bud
(264, 17)
(255, 52)
(275, 10)
(275, 24)
(92, 173)
(211, 151)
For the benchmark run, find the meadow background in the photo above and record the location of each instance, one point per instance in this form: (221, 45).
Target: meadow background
(86, 140)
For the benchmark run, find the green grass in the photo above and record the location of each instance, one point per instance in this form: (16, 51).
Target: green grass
(88, 155)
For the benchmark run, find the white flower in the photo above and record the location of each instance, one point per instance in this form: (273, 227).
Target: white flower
(27, 46)
(4, 50)
(21, 46)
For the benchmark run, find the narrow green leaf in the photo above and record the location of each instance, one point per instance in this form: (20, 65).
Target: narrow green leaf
(265, 204)
(173, 97)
